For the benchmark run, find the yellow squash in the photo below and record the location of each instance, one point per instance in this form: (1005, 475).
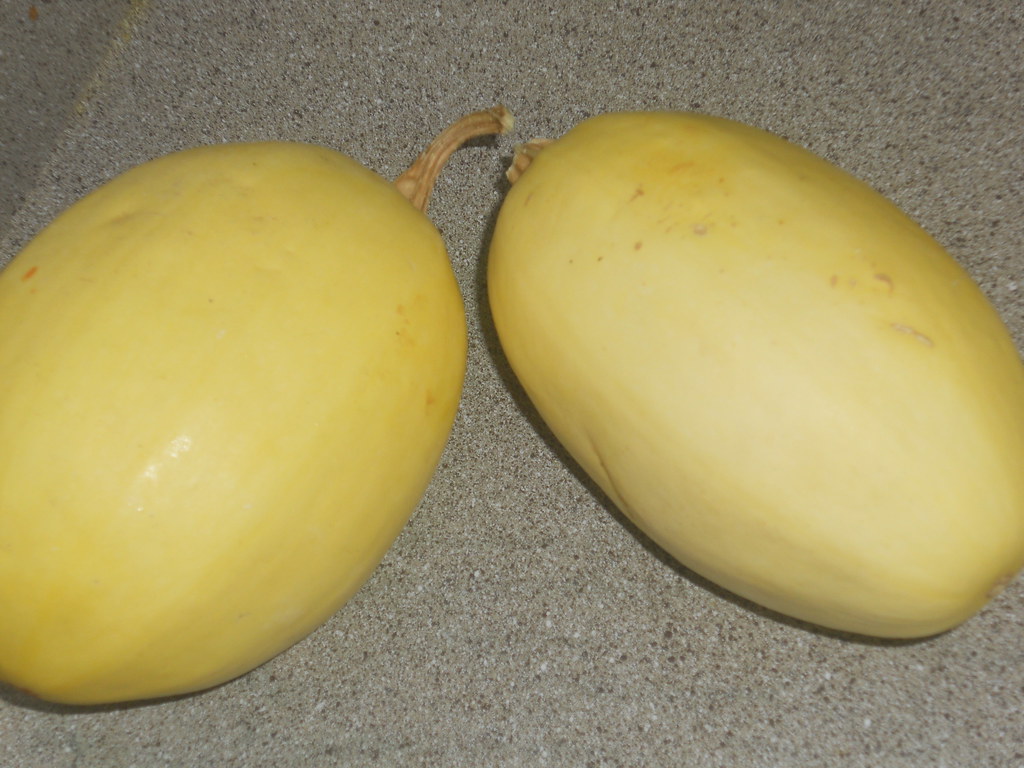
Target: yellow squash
(768, 367)
(226, 378)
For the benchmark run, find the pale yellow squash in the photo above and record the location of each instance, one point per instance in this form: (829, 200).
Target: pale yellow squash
(226, 378)
(768, 367)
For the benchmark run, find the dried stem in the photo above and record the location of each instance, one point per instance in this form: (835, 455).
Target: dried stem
(418, 182)
(523, 157)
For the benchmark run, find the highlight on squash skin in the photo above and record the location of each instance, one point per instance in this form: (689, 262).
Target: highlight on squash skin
(234, 371)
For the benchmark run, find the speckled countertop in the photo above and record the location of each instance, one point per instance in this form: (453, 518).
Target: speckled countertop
(518, 620)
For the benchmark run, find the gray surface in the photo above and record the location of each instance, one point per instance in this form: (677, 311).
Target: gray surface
(46, 63)
(518, 620)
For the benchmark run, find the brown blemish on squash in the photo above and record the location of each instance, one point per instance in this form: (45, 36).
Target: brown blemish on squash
(885, 279)
(30, 273)
(126, 216)
(700, 229)
(834, 280)
(638, 245)
(404, 339)
(638, 193)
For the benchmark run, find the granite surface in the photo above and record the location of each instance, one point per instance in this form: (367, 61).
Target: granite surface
(519, 620)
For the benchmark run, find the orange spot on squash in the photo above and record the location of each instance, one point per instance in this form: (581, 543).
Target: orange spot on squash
(887, 280)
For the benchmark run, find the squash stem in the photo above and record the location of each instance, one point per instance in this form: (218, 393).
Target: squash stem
(418, 182)
(524, 155)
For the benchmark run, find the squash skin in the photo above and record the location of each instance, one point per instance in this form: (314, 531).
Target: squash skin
(771, 370)
(228, 377)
